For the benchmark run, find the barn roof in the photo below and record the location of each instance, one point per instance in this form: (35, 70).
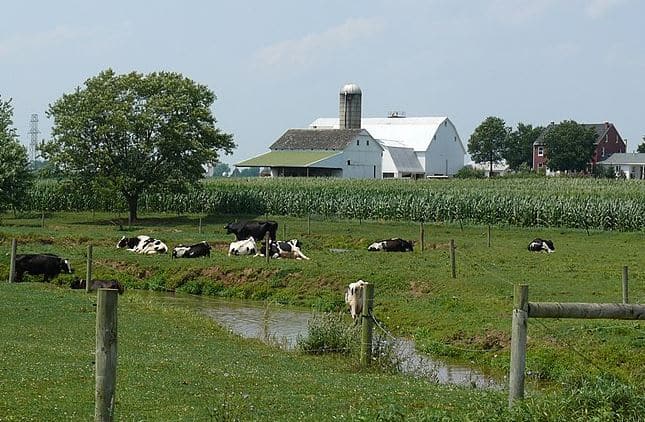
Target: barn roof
(316, 139)
(413, 132)
(288, 158)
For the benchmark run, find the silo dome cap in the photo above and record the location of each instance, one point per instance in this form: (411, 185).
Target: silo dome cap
(350, 89)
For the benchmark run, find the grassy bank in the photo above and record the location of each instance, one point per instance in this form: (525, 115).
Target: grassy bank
(467, 319)
(176, 365)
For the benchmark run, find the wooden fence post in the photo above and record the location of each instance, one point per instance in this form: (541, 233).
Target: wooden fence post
(489, 235)
(366, 324)
(284, 231)
(106, 353)
(267, 246)
(625, 285)
(12, 262)
(518, 343)
(88, 270)
(421, 236)
(42, 219)
(200, 225)
(308, 223)
(453, 264)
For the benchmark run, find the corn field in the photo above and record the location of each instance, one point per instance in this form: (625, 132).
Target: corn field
(525, 202)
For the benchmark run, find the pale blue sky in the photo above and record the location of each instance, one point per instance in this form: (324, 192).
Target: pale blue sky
(276, 65)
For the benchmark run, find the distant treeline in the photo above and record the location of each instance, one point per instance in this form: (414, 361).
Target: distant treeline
(551, 202)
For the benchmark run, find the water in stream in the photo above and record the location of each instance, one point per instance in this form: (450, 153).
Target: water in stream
(280, 325)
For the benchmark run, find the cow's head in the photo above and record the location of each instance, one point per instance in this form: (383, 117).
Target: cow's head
(66, 267)
(122, 243)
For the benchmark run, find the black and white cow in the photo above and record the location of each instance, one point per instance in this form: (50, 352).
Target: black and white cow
(538, 245)
(391, 245)
(252, 228)
(80, 283)
(142, 244)
(49, 265)
(243, 247)
(282, 249)
(193, 251)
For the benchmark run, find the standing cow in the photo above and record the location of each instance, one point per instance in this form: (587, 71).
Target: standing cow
(49, 265)
(354, 298)
(252, 228)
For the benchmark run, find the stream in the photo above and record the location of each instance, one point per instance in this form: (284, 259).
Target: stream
(279, 325)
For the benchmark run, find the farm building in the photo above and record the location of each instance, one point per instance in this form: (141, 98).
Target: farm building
(628, 165)
(354, 147)
(608, 142)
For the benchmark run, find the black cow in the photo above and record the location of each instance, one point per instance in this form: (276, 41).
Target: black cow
(80, 283)
(49, 265)
(252, 228)
(391, 245)
(538, 245)
(193, 251)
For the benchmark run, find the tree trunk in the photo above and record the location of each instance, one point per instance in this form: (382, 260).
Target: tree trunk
(133, 202)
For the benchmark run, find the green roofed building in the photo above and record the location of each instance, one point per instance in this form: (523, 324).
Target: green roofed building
(347, 152)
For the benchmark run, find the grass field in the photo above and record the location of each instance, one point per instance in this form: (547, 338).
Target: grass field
(466, 319)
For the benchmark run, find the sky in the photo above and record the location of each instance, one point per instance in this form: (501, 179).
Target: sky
(276, 65)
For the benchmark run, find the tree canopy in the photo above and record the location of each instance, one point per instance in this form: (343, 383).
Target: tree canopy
(488, 141)
(641, 147)
(135, 132)
(15, 176)
(518, 151)
(569, 146)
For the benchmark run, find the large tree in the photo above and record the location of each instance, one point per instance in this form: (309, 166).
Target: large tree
(518, 151)
(569, 146)
(133, 132)
(487, 143)
(15, 176)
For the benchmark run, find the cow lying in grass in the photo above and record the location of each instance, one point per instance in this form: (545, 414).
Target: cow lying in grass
(193, 251)
(391, 245)
(243, 247)
(354, 298)
(142, 244)
(538, 245)
(281, 249)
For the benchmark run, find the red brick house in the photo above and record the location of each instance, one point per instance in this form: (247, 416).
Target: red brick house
(608, 141)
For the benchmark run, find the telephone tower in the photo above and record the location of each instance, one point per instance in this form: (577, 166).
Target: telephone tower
(33, 132)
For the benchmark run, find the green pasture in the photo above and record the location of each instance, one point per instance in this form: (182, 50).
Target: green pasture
(466, 319)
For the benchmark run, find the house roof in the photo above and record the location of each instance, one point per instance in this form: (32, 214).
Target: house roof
(627, 158)
(288, 158)
(316, 139)
(599, 128)
(413, 132)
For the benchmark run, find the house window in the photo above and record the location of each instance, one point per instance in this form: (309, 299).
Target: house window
(540, 151)
(348, 163)
(368, 142)
(603, 152)
(358, 142)
(540, 165)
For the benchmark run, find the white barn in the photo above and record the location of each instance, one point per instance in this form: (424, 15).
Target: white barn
(433, 141)
(354, 147)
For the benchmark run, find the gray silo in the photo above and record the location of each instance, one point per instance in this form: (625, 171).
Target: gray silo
(350, 107)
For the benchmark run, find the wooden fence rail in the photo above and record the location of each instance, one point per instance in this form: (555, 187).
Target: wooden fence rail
(523, 310)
